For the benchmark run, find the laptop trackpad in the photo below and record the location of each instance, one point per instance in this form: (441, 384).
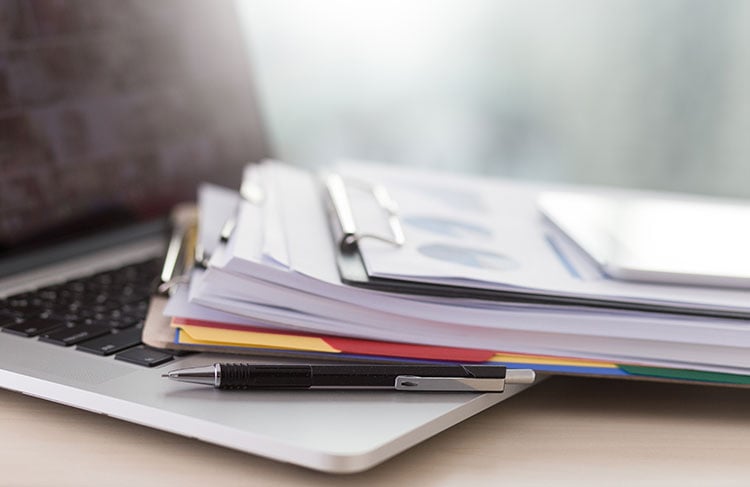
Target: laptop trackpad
(56, 363)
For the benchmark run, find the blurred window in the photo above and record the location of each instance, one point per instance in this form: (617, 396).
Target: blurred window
(645, 93)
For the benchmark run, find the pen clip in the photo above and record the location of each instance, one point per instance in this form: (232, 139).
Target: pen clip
(448, 384)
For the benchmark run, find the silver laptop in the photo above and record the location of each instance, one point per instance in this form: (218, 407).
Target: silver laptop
(113, 112)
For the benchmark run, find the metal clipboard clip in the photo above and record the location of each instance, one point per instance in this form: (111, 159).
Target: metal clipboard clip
(346, 229)
(182, 251)
(185, 251)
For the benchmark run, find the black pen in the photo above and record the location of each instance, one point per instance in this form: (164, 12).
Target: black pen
(409, 377)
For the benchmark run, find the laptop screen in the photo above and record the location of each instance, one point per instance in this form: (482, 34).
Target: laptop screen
(112, 111)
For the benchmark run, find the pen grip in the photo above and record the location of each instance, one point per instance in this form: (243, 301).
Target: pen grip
(249, 376)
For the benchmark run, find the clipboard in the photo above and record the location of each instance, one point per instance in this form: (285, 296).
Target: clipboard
(353, 271)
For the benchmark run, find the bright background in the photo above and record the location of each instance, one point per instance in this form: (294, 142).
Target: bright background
(645, 93)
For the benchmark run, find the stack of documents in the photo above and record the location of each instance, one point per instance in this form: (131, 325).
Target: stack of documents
(373, 261)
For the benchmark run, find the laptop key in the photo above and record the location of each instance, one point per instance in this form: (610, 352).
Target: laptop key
(34, 327)
(93, 320)
(137, 309)
(66, 316)
(31, 311)
(7, 319)
(142, 355)
(74, 334)
(125, 322)
(112, 343)
(49, 293)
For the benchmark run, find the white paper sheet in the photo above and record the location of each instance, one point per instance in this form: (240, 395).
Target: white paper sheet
(646, 352)
(488, 233)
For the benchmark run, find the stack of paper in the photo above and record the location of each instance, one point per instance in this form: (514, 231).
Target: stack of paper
(477, 275)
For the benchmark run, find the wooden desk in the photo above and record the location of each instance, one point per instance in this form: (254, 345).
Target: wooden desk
(563, 432)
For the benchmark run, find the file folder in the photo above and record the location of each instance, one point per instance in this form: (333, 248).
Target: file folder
(195, 335)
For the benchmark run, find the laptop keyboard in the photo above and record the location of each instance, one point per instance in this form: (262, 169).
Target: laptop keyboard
(101, 314)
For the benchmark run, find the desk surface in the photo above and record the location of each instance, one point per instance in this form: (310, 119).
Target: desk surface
(563, 432)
